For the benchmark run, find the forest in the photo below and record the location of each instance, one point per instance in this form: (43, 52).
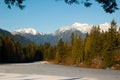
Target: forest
(100, 49)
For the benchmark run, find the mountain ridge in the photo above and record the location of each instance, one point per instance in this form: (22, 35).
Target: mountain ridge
(84, 28)
(27, 31)
(18, 38)
(64, 32)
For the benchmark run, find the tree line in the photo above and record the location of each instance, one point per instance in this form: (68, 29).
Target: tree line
(13, 52)
(100, 49)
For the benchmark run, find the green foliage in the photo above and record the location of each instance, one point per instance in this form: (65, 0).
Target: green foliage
(95, 41)
(77, 50)
(9, 49)
(110, 45)
(102, 46)
(60, 49)
(93, 45)
(57, 58)
(119, 38)
(38, 53)
(30, 52)
(63, 50)
(48, 51)
(87, 50)
(99, 48)
(1, 44)
(12, 51)
(72, 38)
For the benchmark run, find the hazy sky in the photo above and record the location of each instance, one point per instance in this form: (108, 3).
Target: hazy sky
(48, 15)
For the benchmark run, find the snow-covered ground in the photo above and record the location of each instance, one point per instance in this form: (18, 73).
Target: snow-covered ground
(11, 76)
(43, 71)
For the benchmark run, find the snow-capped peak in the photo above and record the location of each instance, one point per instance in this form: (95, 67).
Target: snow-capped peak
(83, 27)
(27, 31)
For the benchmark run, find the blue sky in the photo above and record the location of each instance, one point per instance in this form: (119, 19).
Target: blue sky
(48, 15)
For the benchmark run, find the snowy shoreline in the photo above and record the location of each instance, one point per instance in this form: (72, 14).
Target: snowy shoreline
(45, 71)
(16, 76)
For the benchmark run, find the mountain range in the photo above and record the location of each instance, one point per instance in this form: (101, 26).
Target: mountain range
(64, 32)
(29, 35)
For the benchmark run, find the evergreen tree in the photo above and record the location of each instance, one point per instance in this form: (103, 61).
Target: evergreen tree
(72, 38)
(119, 38)
(47, 51)
(67, 54)
(93, 46)
(95, 41)
(29, 52)
(38, 53)
(117, 55)
(20, 57)
(110, 45)
(53, 52)
(8, 50)
(57, 57)
(87, 50)
(77, 50)
(60, 49)
(1, 44)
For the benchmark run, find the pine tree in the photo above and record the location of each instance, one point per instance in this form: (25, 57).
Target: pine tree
(117, 55)
(20, 57)
(39, 53)
(67, 54)
(87, 50)
(77, 50)
(29, 52)
(72, 38)
(60, 49)
(1, 44)
(57, 57)
(119, 38)
(9, 50)
(93, 46)
(47, 51)
(110, 45)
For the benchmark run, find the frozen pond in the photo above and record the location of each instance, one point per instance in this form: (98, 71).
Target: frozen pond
(76, 73)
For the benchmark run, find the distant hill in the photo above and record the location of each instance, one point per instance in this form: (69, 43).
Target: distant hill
(17, 38)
